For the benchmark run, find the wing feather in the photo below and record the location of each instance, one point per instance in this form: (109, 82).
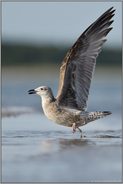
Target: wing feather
(79, 63)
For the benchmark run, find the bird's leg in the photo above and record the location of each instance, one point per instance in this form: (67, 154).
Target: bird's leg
(74, 127)
(80, 131)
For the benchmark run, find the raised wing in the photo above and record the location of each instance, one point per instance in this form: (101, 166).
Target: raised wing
(79, 63)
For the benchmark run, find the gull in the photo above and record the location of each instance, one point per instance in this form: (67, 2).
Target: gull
(69, 107)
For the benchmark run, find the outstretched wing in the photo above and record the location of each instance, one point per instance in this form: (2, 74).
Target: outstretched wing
(79, 63)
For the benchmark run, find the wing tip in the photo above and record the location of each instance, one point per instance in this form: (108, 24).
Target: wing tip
(111, 9)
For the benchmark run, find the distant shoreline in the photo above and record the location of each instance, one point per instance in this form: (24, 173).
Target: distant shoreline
(21, 54)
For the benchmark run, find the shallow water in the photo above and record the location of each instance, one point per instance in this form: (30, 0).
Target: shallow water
(35, 149)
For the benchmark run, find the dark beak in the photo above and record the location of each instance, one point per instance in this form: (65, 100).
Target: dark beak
(31, 91)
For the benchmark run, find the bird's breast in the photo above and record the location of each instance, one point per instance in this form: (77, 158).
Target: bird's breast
(51, 111)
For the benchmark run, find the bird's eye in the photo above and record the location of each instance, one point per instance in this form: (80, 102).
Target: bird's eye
(41, 88)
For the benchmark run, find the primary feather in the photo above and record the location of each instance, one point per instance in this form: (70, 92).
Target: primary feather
(79, 63)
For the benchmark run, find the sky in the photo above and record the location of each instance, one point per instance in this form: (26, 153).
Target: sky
(55, 22)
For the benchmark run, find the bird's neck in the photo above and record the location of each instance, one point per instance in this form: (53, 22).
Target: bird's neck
(47, 99)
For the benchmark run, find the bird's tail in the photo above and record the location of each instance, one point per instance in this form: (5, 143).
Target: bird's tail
(92, 116)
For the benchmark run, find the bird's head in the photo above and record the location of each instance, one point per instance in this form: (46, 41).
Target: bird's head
(41, 91)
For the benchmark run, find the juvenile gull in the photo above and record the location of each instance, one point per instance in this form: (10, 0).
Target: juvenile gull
(77, 68)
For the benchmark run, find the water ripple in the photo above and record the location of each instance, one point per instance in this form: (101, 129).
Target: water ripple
(34, 137)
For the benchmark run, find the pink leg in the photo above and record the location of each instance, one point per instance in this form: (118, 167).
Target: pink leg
(74, 127)
(80, 132)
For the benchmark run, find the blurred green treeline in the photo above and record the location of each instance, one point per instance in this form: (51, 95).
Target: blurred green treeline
(27, 54)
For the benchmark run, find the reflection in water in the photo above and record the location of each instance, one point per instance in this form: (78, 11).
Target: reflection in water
(56, 145)
(42, 156)
(51, 146)
(73, 142)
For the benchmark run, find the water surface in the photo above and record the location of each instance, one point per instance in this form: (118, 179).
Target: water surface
(38, 150)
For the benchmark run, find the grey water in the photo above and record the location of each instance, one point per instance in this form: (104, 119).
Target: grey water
(34, 149)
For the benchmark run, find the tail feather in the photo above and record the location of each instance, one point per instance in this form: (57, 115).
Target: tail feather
(92, 116)
(106, 113)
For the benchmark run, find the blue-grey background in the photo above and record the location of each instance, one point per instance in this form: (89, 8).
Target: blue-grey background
(55, 22)
(34, 148)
